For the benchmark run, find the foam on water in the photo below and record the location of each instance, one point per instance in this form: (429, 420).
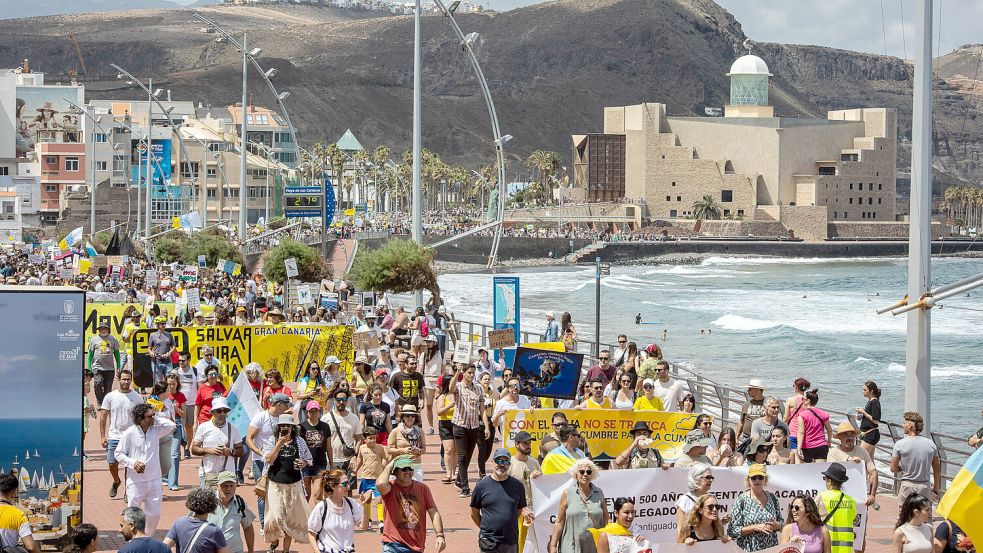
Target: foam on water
(739, 323)
(949, 371)
(722, 260)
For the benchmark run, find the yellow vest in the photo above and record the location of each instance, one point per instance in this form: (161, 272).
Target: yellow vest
(840, 525)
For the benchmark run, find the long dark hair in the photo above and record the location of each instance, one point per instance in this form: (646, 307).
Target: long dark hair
(874, 390)
(565, 321)
(912, 502)
(811, 511)
(813, 396)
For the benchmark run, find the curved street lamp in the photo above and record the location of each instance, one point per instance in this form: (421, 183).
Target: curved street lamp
(92, 170)
(467, 42)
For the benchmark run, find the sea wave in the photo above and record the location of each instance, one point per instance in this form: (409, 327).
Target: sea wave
(728, 260)
(739, 323)
(945, 371)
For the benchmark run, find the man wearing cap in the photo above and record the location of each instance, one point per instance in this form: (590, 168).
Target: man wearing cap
(837, 509)
(104, 360)
(138, 450)
(849, 451)
(384, 361)
(640, 454)
(261, 436)
(160, 346)
(406, 505)
(525, 469)
(275, 317)
(694, 450)
(114, 413)
(233, 516)
(752, 410)
(218, 442)
(496, 505)
(552, 333)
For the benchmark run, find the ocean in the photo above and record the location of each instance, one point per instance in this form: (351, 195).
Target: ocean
(54, 439)
(770, 318)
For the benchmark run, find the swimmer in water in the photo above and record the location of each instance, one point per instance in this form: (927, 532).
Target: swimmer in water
(638, 319)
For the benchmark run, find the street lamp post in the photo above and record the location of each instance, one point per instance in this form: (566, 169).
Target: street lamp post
(417, 230)
(92, 161)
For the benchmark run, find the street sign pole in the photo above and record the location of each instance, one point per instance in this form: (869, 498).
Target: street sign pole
(597, 306)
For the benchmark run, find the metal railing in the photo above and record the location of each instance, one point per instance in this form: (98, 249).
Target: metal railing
(724, 403)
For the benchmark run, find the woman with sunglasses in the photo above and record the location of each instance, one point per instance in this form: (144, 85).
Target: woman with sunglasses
(581, 508)
(913, 531)
(698, 482)
(623, 392)
(616, 537)
(805, 526)
(309, 386)
(408, 439)
(286, 506)
(703, 523)
(648, 400)
(755, 516)
(332, 522)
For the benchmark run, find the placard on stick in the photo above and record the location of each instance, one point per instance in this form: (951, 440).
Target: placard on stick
(462, 351)
(498, 339)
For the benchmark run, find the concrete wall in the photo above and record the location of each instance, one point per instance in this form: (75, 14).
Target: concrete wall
(855, 229)
(805, 222)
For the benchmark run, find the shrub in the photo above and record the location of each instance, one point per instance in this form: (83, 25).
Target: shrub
(309, 263)
(400, 266)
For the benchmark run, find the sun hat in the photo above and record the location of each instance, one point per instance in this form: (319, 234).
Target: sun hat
(409, 410)
(845, 428)
(696, 438)
(219, 403)
(756, 444)
(640, 426)
(286, 419)
(332, 360)
(756, 383)
(836, 472)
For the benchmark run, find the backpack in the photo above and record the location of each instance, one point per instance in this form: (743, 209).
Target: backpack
(324, 514)
(424, 328)
(240, 505)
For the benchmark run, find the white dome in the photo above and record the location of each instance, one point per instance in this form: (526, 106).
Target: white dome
(749, 65)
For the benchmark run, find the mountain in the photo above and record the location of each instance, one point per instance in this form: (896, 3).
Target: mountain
(13, 9)
(551, 67)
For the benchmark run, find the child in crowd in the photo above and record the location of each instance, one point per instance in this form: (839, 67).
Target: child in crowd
(369, 461)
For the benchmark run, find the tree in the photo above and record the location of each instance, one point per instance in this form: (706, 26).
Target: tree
(309, 263)
(400, 266)
(706, 208)
(380, 158)
(546, 164)
(185, 248)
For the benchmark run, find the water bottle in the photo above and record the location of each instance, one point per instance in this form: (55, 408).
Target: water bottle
(875, 506)
(860, 417)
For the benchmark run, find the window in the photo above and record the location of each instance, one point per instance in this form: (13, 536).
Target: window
(673, 213)
(878, 201)
(674, 183)
(4, 171)
(52, 188)
(287, 157)
(880, 186)
(726, 212)
(874, 214)
(72, 164)
(119, 164)
(210, 193)
(668, 198)
(679, 198)
(851, 186)
(51, 159)
(836, 214)
(851, 200)
(870, 201)
(230, 192)
(726, 195)
(846, 214)
(101, 165)
(827, 170)
(740, 212)
(210, 172)
(870, 186)
(99, 137)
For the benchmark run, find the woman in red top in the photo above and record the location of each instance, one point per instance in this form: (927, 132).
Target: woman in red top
(274, 385)
(170, 450)
(208, 389)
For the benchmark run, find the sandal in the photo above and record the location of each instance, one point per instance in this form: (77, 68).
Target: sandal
(446, 480)
(273, 546)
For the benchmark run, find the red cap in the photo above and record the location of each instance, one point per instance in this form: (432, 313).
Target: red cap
(651, 348)
(380, 372)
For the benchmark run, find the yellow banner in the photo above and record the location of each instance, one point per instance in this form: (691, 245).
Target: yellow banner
(606, 430)
(113, 313)
(286, 348)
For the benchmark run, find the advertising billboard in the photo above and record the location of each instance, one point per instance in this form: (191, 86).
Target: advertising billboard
(41, 359)
(44, 116)
(161, 169)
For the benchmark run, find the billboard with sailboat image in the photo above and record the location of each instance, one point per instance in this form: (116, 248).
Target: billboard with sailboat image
(41, 362)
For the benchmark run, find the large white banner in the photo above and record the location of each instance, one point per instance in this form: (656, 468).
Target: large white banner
(655, 492)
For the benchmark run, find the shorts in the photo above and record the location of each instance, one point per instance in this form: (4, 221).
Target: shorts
(872, 436)
(111, 452)
(400, 331)
(812, 454)
(366, 484)
(445, 429)
(314, 470)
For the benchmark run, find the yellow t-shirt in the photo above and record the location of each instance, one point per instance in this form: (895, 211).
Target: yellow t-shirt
(13, 525)
(128, 330)
(449, 414)
(645, 404)
(606, 404)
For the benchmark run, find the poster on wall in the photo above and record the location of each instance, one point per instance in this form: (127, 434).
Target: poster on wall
(44, 116)
(41, 357)
(553, 374)
(161, 168)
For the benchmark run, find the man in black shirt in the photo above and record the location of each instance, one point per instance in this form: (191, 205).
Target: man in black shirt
(496, 505)
(408, 384)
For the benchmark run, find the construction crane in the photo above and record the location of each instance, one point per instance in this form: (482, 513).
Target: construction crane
(78, 52)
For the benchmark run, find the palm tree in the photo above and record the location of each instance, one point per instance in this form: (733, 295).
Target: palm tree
(546, 164)
(361, 160)
(335, 159)
(706, 208)
(380, 157)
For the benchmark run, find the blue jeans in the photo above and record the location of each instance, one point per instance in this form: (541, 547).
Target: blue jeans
(160, 368)
(395, 547)
(260, 502)
(172, 475)
(111, 451)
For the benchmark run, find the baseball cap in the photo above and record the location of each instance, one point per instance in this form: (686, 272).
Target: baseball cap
(648, 382)
(159, 320)
(332, 360)
(523, 436)
(502, 452)
(103, 325)
(381, 372)
(384, 347)
(279, 398)
(219, 403)
(227, 476)
(403, 462)
(313, 405)
(757, 470)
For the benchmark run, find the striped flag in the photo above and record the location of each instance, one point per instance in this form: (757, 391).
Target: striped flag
(242, 404)
(963, 501)
(90, 250)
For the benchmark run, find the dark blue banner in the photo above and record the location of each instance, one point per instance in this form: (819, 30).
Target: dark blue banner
(543, 373)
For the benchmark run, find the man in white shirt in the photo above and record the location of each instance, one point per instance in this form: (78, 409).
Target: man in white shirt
(217, 442)
(138, 451)
(668, 390)
(511, 399)
(486, 364)
(346, 430)
(115, 413)
(620, 355)
(260, 437)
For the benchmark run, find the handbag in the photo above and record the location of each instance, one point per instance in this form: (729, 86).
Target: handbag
(262, 485)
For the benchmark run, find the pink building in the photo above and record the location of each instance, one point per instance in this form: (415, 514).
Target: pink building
(62, 167)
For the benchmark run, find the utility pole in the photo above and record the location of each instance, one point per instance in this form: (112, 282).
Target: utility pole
(242, 144)
(599, 269)
(417, 139)
(918, 343)
(150, 157)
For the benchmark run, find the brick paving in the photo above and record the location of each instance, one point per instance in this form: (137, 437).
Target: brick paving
(102, 511)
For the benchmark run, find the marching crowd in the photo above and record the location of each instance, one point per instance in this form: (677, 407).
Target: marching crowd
(332, 454)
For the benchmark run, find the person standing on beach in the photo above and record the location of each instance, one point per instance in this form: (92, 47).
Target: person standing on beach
(915, 459)
(114, 413)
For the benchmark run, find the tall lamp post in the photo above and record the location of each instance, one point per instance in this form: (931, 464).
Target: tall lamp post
(92, 161)
(417, 229)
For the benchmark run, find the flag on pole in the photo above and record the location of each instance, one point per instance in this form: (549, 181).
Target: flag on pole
(90, 250)
(73, 238)
(963, 500)
(242, 404)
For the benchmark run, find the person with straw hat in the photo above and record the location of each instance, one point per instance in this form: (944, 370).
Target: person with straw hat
(850, 451)
(407, 438)
(286, 505)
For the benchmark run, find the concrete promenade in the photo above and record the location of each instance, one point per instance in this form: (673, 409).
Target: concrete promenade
(102, 511)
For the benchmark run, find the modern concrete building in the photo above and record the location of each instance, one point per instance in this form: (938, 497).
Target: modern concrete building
(801, 171)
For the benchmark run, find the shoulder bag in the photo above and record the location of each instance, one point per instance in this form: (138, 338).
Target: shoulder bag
(346, 449)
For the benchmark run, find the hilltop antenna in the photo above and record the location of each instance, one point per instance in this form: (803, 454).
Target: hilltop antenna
(747, 44)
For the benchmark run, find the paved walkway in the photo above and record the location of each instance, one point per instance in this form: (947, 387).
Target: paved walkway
(102, 511)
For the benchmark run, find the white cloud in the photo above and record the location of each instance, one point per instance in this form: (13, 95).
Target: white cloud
(11, 362)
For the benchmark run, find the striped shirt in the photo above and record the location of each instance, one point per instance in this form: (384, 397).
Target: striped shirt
(13, 525)
(468, 403)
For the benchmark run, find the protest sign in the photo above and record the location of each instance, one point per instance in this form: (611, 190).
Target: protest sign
(66, 273)
(188, 274)
(150, 277)
(498, 339)
(291, 265)
(606, 430)
(462, 351)
(508, 354)
(553, 374)
(365, 341)
(655, 493)
(35, 259)
(192, 299)
(304, 295)
(286, 348)
(202, 262)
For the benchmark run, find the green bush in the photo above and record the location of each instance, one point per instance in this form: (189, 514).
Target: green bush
(168, 249)
(400, 266)
(213, 245)
(277, 223)
(309, 263)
